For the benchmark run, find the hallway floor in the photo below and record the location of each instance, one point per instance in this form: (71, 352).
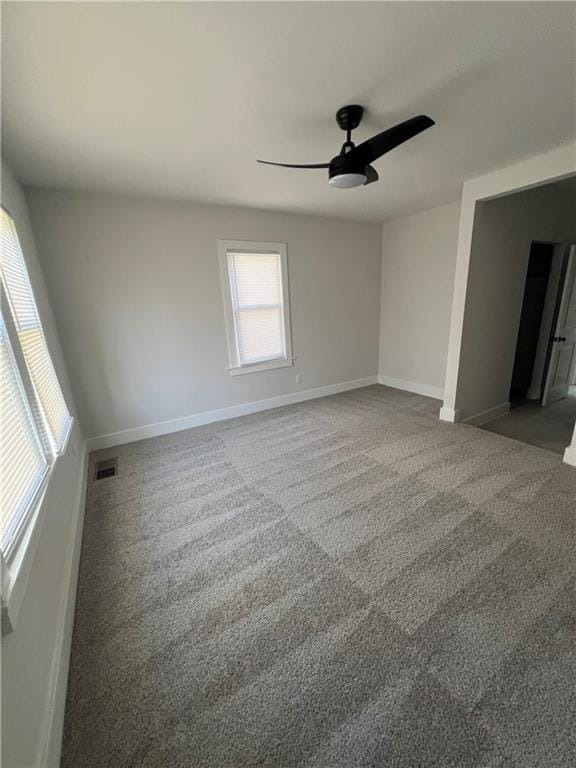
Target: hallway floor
(550, 427)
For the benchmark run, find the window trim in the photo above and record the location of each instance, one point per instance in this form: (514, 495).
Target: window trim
(53, 445)
(234, 367)
(16, 561)
(29, 504)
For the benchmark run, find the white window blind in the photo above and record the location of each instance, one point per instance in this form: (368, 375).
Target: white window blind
(257, 306)
(23, 465)
(50, 404)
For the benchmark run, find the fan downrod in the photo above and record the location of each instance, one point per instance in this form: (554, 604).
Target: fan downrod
(348, 118)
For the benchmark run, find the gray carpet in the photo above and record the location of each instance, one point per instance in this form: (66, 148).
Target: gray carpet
(342, 582)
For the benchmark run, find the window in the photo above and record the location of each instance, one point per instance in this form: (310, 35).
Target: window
(24, 464)
(34, 418)
(255, 286)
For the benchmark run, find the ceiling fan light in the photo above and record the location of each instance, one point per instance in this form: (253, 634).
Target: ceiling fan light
(347, 180)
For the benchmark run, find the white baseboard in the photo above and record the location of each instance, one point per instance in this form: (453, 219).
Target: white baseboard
(412, 386)
(449, 414)
(490, 415)
(222, 414)
(51, 740)
(570, 455)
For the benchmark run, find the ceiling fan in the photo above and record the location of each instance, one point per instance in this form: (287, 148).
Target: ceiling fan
(352, 167)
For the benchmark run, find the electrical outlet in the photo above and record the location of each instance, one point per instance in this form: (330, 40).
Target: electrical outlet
(298, 378)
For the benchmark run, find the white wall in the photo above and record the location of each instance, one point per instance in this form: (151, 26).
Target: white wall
(418, 261)
(503, 231)
(138, 302)
(35, 656)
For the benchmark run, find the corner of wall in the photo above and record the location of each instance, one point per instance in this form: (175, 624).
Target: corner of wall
(427, 390)
(449, 415)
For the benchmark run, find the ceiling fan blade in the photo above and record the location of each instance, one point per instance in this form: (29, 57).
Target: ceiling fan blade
(378, 145)
(371, 175)
(290, 165)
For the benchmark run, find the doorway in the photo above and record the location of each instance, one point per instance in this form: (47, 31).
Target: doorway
(502, 214)
(543, 386)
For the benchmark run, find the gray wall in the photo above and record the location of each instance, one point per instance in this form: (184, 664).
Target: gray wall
(503, 231)
(418, 261)
(136, 291)
(35, 655)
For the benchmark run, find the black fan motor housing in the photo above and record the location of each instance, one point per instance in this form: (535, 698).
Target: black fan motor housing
(341, 164)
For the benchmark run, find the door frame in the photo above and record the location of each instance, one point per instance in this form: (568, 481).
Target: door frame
(555, 286)
(546, 168)
(565, 300)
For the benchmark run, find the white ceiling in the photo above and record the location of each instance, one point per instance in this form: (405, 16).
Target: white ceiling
(179, 99)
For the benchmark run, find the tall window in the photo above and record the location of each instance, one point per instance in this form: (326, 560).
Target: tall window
(255, 287)
(35, 422)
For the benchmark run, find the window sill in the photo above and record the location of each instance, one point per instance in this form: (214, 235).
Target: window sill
(267, 365)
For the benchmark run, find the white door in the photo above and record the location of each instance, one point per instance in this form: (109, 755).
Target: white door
(564, 339)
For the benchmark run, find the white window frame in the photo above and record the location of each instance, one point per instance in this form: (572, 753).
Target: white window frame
(16, 561)
(248, 246)
(28, 397)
